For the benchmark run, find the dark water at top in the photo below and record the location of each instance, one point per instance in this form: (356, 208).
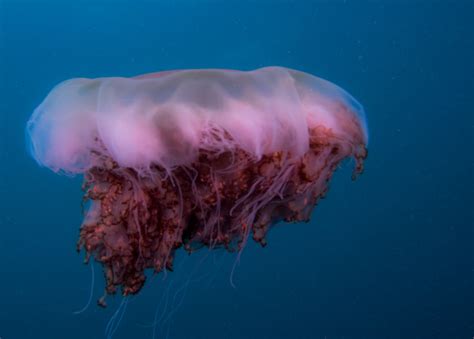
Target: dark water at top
(388, 256)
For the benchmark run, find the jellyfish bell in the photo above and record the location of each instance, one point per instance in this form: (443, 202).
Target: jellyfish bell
(193, 158)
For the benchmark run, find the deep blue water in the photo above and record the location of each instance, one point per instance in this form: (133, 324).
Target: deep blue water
(388, 256)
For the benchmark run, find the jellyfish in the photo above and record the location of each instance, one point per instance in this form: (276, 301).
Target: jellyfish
(193, 158)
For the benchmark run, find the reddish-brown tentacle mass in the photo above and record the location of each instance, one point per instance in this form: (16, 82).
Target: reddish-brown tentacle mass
(136, 222)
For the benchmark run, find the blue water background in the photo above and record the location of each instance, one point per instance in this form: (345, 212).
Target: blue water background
(388, 256)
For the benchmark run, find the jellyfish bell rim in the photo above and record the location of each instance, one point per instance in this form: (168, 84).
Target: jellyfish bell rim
(77, 162)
